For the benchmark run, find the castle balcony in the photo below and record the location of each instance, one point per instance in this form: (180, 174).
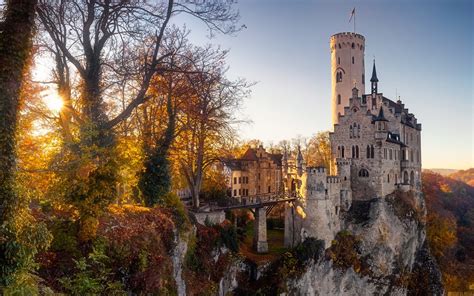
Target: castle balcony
(405, 164)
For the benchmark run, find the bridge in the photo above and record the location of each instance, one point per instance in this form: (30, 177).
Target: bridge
(260, 205)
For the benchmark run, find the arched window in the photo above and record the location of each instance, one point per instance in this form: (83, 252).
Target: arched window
(363, 173)
(368, 151)
(372, 151)
(353, 152)
(342, 151)
(350, 132)
(412, 178)
(357, 151)
(358, 131)
(405, 177)
(339, 99)
(353, 45)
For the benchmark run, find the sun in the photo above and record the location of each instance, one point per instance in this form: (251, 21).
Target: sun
(54, 102)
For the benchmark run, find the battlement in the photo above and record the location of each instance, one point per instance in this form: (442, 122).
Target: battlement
(343, 161)
(333, 179)
(347, 35)
(314, 170)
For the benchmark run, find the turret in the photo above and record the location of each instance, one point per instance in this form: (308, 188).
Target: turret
(373, 81)
(284, 161)
(299, 162)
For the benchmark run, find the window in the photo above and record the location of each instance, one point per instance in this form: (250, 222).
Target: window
(339, 45)
(372, 151)
(342, 151)
(358, 131)
(353, 152)
(339, 76)
(235, 180)
(385, 153)
(390, 154)
(357, 151)
(240, 191)
(339, 99)
(388, 178)
(352, 60)
(353, 45)
(240, 180)
(235, 192)
(363, 78)
(368, 151)
(350, 132)
(338, 60)
(363, 173)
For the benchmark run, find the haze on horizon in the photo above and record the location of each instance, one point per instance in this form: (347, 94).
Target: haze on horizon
(423, 52)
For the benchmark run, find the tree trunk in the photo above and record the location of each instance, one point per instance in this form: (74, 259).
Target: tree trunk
(15, 46)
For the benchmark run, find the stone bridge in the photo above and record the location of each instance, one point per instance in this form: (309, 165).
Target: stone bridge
(260, 206)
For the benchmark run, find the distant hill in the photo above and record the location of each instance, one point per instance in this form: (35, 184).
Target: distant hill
(450, 226)
(442, 172)
(467, 176)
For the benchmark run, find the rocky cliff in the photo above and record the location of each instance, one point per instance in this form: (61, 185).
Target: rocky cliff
(382, 251)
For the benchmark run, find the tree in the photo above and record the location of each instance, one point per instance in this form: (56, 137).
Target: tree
(208, 117)
(16, 31)
(319, 151)
(114, 47)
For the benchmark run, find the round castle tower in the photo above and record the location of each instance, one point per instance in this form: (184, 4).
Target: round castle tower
(347, 69)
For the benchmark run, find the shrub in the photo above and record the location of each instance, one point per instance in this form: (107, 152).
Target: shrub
(345, 253)
(310, 248)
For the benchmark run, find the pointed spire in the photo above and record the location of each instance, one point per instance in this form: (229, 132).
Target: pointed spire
(381, 116)
(374, 74)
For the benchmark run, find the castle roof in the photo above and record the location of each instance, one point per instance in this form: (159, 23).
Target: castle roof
(394, 138)
(381, 116)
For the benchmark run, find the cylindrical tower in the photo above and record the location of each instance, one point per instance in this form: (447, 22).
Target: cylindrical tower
(347, 69)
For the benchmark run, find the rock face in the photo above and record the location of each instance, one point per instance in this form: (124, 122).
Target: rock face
(391, 236)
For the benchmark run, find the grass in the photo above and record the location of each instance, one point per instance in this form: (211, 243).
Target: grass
(275, 238)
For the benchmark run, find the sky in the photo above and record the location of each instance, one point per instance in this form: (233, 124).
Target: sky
(423, 52)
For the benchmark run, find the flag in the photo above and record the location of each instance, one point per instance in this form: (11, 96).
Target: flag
(352, 14)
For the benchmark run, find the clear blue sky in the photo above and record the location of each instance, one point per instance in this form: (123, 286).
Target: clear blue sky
(422, 48)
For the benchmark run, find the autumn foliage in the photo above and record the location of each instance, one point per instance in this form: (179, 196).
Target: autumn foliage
(450, 228)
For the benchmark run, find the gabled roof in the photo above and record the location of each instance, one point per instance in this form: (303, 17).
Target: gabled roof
(381, 116)
(250, 154)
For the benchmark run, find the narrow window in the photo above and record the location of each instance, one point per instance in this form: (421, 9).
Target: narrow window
(353, 45)
(338, 60)
(390, 154)
(357, 151)
(269, 189)
(388, 178)
(352, 60)
(339, 45)
(342, 151)
(350, 132)
(235, 192)
(353, 152)
(235, 180)
(372, 151)
(240, 180)
(368, 151)
(358, 131)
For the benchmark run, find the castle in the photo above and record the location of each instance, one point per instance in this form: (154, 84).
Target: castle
(375, 149)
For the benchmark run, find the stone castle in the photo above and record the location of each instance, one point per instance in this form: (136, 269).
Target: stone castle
(375, 149)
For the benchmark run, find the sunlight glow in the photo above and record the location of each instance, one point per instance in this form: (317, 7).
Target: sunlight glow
(54, 102)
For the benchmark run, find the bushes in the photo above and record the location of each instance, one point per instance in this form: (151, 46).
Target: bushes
(132, 252)
(345, 253)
